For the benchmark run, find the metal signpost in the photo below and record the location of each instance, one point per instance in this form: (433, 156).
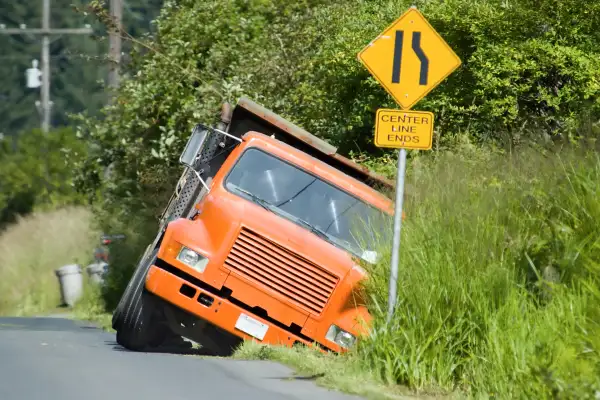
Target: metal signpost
(409, 59)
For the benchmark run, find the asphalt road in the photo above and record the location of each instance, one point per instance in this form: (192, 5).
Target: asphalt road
(60, 359)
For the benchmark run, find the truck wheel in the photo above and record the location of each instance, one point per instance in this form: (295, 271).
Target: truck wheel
(141, 326)
(119, 314)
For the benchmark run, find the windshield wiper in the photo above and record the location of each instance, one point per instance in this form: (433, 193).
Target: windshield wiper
(297, 194)
(317, 231)
(337, 242)
(261, 202)
(342, 244)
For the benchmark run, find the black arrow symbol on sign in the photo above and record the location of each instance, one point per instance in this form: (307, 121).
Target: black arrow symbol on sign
(416, 46)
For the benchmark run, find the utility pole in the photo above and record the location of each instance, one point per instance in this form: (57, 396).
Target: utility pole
(46, 31)
(46, 67)
(116, 13)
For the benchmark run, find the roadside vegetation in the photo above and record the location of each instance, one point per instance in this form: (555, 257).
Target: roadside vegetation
(44, 222)
(36, 172)
(91, 307)
(499, 283)
(32, 248)
(344, 373)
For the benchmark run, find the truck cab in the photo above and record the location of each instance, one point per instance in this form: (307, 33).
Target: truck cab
(262, 240)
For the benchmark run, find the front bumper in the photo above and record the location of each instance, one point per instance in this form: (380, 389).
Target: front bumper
(219, 312)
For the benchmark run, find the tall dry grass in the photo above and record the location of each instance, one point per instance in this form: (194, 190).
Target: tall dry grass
(498, 293)
(30, 251)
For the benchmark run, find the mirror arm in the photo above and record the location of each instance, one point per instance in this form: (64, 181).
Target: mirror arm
(227, 134)
(201, 180)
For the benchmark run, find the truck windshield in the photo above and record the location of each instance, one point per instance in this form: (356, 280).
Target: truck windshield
(327, 211)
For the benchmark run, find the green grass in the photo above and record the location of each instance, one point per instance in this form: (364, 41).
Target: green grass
(477, 309)
(498, 293)
(32, 249)
(341, 372)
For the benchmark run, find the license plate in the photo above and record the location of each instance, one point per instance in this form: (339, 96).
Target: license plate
(251, 327)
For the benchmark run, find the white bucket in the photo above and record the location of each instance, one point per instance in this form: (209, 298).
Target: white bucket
(71, 283)
(96, 272)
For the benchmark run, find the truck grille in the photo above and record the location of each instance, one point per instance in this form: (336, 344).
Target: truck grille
(293, 277)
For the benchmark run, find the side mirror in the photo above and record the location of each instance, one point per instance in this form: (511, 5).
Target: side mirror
(194, 145)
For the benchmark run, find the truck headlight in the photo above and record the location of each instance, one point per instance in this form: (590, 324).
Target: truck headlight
(192, 259)
(339, 336)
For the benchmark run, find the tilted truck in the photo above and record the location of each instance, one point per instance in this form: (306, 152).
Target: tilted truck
(259, 241)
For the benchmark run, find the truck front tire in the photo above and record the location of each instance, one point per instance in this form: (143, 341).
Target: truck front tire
(141, 326)
(119, 314)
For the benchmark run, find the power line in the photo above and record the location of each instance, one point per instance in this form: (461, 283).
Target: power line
(55, 57)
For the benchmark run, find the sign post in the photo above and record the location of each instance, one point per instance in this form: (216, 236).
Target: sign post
(409, 58)
(393, 284)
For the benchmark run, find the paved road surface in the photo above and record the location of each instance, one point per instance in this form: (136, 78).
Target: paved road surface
(60, 359)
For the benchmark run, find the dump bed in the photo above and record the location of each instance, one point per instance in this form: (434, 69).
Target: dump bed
(250, 116)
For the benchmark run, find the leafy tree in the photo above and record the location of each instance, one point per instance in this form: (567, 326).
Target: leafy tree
(37, 172)
(530, 67)
(198, 60)
(78, 62)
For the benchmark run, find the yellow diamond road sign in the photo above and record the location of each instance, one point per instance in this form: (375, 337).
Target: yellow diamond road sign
(409, 58)
(404, 129)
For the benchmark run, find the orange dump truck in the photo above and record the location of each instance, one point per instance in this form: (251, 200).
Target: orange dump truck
(259, 241)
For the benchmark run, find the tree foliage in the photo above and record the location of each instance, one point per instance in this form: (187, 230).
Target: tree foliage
(78, 62)
(37, 172)
(528, 66)
(531, 68)
(204, 54)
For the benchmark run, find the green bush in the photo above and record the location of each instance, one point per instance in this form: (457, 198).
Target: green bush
(530, 70)
(37, 172)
